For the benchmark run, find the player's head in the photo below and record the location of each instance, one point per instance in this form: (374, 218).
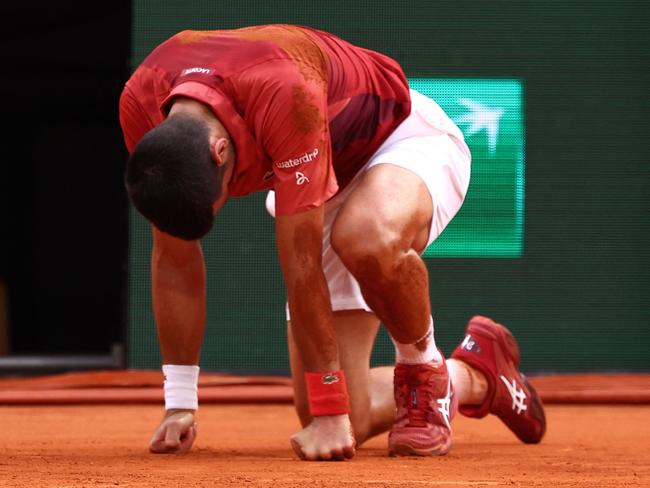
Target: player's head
(173, 178)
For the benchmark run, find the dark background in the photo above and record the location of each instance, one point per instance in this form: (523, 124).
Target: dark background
(63, 211)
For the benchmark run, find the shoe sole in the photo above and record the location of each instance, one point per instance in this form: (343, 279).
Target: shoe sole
(406, 450)
(438, 449)
(537, 412)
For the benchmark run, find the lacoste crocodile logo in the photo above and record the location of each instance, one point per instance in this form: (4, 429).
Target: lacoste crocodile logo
(329, 378)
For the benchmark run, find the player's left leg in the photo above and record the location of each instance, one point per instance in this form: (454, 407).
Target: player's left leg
(381, 248)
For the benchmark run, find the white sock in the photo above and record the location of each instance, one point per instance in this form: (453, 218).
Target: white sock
(426, 352)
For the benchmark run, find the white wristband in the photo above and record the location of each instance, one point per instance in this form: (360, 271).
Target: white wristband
(181, 386)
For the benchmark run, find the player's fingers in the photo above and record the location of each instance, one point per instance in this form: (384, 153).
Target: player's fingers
(324, 456)
(173, 435)
(349, 452)
(187, 439)
(336, 455)
(156, 444)
(176, 433)
(340, 453)
(158, 447)
(313, 453)
(297, 448)
(306, 453)
(162, 444)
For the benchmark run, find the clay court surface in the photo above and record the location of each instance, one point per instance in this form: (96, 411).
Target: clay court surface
(247, 446)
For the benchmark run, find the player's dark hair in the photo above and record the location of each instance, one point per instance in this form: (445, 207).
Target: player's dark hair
(172, 179)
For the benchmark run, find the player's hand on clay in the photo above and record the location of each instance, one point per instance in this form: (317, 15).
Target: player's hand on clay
(175, 434)
(327, 438)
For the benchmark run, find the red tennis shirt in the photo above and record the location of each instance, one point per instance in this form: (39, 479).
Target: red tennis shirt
(305, 110)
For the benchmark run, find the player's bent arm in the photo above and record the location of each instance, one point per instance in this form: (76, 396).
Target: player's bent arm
(178, 287)
(299, 240)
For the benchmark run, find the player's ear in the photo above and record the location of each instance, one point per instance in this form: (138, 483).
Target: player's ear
(218, 150)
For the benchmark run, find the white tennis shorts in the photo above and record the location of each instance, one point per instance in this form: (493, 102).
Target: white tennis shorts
(430, 145)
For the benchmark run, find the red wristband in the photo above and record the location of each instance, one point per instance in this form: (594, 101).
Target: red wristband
(327, 393)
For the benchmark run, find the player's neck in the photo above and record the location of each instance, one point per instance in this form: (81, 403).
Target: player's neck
(194, 108)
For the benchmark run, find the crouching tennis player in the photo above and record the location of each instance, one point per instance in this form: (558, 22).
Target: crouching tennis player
(365, 173)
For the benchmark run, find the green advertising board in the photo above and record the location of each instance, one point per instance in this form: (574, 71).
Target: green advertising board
(489, 112)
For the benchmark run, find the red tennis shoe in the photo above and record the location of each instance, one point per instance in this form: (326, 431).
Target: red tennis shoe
(491, 348)
(425, 406)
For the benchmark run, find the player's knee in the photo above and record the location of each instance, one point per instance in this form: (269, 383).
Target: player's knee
(363, 246)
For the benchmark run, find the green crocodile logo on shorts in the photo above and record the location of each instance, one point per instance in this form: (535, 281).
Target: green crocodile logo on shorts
(329, 378)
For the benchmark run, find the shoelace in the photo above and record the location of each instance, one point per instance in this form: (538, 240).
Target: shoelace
(416, 397)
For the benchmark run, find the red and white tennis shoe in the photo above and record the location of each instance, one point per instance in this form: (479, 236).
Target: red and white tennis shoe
(425, 406)
(491, 348)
